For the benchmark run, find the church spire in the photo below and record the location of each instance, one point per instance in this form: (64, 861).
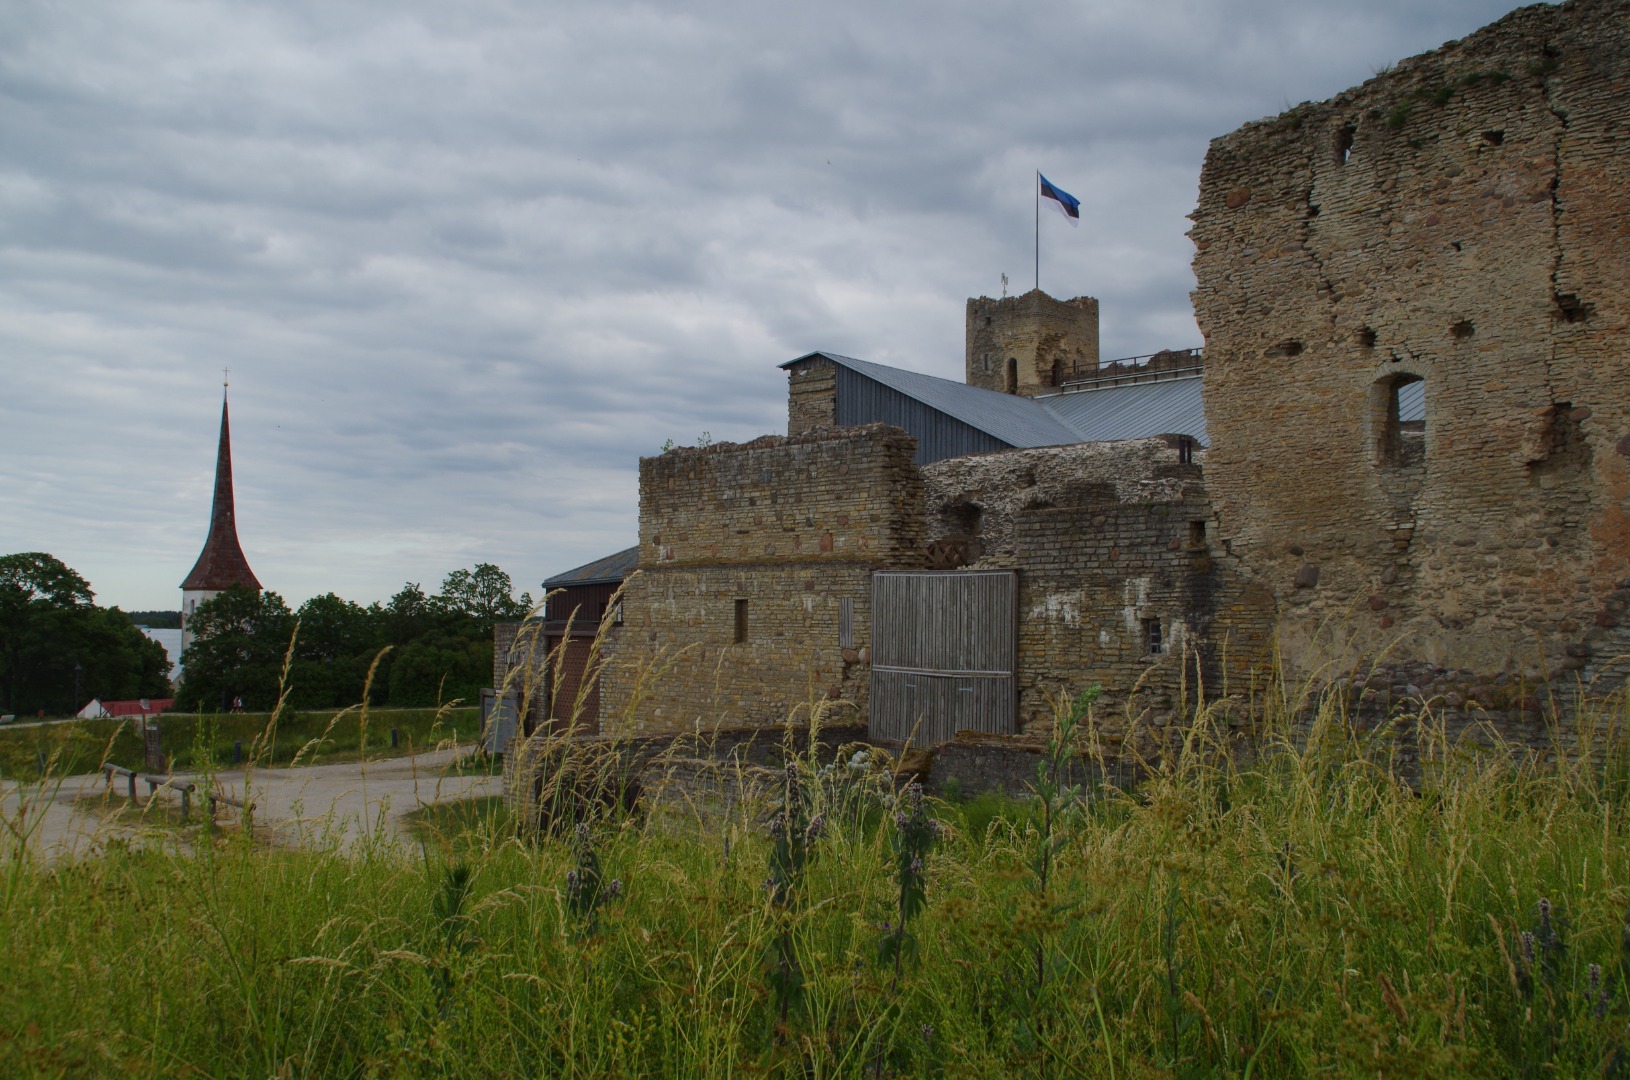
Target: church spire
(222, 563)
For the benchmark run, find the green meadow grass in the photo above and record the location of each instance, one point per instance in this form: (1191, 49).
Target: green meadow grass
(77, 746)
(1308, 913)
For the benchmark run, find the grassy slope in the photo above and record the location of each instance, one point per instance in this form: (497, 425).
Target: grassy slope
(82, 745)
(1309, 914)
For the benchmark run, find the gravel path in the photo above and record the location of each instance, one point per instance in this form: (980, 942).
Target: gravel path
(341, 804)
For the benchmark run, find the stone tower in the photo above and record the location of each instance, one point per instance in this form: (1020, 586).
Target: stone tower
(221, 564)
(1030, 344)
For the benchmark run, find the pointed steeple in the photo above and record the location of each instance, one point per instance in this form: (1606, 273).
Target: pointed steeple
(222, 564)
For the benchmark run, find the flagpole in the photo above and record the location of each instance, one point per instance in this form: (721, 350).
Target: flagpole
(1038, 230)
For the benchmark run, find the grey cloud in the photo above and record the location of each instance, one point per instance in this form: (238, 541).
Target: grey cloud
(468, 262)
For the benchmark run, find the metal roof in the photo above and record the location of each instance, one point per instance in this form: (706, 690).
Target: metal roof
(1128, 411)
(1412, 401)
(1136, 411)
(610, 568)
(1015, 420)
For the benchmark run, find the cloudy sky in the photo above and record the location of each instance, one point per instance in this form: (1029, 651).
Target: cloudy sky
(467, 262)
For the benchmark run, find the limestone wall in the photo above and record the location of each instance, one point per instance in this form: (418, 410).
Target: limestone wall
(747, 554)
(1463, 220)
(977, 498)
(812, 395)
(1029, 344)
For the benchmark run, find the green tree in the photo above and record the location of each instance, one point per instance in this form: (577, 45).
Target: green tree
(484, 594)
(239, 640)
(55, 641)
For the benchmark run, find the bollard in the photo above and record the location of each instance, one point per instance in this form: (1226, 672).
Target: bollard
(393, 738)
(132, 788)
(237, 752)
(186, 804)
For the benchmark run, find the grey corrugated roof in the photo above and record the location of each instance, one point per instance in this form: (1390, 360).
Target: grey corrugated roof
(1134, 411)
(1412, 401)
(1017, 421)
(1128, 411)
(601, 571)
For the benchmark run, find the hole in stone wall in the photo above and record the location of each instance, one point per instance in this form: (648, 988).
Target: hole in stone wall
(1401, 439)
(1285, 348)
(741, 621)
(1151, 637)
(1366, 338)
(1185, 451)
(1455, 244)
(1463, 329)
(1312, 209)
(1012, 383)
(1571, 309)
(1197, 534)
(1344, 143)
(1494, 138)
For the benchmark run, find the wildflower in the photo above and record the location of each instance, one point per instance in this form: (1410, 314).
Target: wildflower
(927, 1032)
(916, 866)
(817, 825)
(1528, 948)
(571, 881)
(615, 889)
(778, 826)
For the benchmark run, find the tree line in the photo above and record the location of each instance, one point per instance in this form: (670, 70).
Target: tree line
(59, 649)
(429, 649)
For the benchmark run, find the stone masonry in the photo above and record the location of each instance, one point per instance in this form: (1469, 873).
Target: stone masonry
(812, 396)
(748, 554)
(1119, 584)
(1461, 221)
(1030, 344)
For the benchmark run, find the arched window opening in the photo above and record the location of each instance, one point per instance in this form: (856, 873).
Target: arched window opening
(1012, 386)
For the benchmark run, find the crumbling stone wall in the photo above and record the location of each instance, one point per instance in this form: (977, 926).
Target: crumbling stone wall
(812, 395)
(1110, 540)
(1462, 220)
(1029, 344)
(748, 554)
(975, 499)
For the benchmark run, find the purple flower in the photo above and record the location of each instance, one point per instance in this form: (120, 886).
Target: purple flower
(615, 889)
(817, 826)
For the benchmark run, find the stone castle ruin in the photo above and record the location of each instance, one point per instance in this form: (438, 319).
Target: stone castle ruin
(1401, 463)
(1456, 231)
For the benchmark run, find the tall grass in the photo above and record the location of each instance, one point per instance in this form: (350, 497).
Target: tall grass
(1312, 910)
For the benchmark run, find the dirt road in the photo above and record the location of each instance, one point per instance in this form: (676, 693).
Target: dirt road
(340, 804)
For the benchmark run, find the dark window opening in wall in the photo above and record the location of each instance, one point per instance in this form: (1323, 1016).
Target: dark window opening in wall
(1494, 138)
(741, 621)
(1463, 329)
(1151, 637)
(1012, 386)
(1401, 442)
(1185, 451)
(846, 623)
(1571, 309)
(1366, 338)
(1344, 143)
(1197, 534)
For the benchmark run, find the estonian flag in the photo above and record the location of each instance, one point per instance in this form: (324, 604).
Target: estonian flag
(1062, 201)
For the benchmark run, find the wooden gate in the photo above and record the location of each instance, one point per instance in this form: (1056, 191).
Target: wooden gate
(944, 654)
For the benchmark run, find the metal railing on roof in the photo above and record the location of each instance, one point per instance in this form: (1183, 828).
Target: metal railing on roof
(1134, 369)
